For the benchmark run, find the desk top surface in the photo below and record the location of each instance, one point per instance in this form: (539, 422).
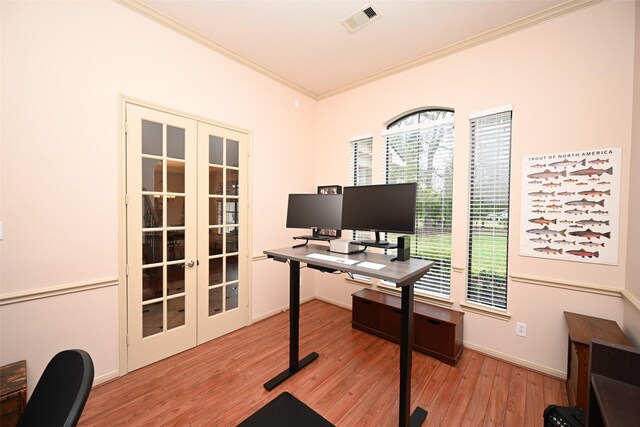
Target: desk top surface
(401, 273)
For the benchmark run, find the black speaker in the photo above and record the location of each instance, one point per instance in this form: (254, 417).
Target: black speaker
(404, 248)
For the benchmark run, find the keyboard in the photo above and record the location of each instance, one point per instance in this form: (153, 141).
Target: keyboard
(330, 258)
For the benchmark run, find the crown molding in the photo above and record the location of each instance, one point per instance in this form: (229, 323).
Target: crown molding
(545, 15)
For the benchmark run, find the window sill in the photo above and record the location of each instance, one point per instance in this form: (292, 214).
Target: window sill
(359, 282)
(428, 299)
(485, 311)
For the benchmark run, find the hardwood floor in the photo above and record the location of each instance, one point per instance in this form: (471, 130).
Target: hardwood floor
(354, 382)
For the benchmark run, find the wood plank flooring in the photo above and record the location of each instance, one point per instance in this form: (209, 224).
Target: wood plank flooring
(354, 382)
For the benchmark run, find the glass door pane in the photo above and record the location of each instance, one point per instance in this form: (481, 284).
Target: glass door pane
(163, 248)
(223, 211)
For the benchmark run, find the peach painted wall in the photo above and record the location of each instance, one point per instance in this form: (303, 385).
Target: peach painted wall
(631, 314)
(570, 82)
(64, 65)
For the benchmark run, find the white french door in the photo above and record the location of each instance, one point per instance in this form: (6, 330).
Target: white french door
(222, 231)
(187, 244)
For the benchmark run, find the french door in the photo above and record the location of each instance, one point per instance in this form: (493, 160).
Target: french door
(187, 236)
(222, 231)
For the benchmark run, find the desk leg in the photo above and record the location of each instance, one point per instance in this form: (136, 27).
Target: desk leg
(406, 349)
(294, 330)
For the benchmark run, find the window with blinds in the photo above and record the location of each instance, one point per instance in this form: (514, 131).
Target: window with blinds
(361, 160)
(419, 148)
(361, 163)
(489, 209)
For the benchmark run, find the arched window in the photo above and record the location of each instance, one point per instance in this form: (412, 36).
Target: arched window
(418, 147)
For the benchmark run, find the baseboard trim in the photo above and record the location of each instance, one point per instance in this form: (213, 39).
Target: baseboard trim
(333, 302)
(106, 377)
(279, 310)
(53, 291)
(517, 361)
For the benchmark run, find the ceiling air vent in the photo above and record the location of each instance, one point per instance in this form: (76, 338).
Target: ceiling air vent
(362, 17)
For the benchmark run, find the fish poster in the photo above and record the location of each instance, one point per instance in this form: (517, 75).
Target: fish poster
(570, 206)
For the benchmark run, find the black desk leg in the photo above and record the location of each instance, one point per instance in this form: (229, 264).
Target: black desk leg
(406, 349)
(294, 330)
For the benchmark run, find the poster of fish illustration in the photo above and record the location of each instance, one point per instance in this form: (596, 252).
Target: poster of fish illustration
(570, 206)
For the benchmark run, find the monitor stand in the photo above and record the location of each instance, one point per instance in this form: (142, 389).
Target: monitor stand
(315, 236)
(376, 243)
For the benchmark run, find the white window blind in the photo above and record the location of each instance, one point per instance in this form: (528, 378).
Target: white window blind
(421, 151)
(361, 163)
(361, 160)
(490, 169)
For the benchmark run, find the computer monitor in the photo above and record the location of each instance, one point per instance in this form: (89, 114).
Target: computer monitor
(380, 208)
(315, 211)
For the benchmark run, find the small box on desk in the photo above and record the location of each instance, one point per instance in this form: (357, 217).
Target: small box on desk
(404, 248)
(343, 247)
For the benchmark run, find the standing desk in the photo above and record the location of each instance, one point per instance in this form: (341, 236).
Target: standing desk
(403, 273)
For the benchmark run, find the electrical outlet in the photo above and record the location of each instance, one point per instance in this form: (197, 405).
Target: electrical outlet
(521, 329)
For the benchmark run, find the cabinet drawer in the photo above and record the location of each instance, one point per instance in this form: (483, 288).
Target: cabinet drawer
(390, 321)
(365, 313)
(434, 335)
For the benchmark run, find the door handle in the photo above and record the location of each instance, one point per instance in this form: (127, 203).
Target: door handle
(189, 264)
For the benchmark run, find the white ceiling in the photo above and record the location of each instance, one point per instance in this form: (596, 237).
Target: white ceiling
(303, 43)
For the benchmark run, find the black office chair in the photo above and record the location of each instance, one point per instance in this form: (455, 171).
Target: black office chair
(61, 391)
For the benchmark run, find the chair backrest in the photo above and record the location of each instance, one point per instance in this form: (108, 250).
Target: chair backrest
(61, 391)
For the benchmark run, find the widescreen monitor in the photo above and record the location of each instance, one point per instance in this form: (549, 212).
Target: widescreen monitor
(380, 208)
(315, 211)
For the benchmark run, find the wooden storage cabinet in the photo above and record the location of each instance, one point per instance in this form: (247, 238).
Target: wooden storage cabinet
(13, 392)
(581, 330)
(438, 331)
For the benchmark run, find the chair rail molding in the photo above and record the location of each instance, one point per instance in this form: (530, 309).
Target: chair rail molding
(580, 287)
(34, 294)
(574, 286)
(631, 299)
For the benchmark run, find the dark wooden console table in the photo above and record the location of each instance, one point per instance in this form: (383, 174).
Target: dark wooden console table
(582, 329)
(404, 274)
